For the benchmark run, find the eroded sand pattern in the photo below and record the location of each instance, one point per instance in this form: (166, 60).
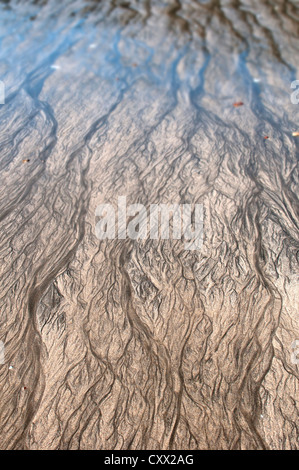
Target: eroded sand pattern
(123, 344)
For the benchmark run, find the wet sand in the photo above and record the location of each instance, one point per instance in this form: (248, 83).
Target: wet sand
(141, 344)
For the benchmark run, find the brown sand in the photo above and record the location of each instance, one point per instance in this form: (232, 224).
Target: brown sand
(126, 344)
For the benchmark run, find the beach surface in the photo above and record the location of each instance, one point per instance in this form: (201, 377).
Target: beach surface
(144, 344)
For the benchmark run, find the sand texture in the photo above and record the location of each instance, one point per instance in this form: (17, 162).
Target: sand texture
(142, 344)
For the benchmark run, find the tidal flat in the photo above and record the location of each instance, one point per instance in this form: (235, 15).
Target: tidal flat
(139, 343)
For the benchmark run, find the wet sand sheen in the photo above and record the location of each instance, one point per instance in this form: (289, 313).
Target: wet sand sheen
(124, 344)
